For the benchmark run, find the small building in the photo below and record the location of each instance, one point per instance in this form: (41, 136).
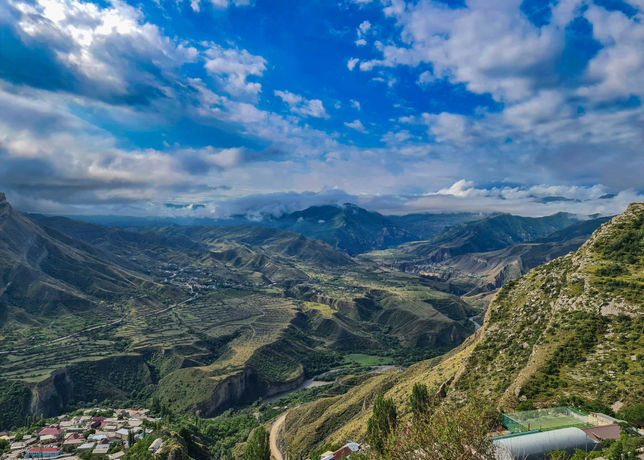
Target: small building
(74, 440)
(536, 446)
(97, 437)
(598, 433)
(44, 452)
(85, 447)
(54, 431)
(101, 449)
(343, 452)
(122, 434)
(116, 455)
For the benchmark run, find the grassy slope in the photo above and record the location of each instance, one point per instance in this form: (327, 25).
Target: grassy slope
(573, 326)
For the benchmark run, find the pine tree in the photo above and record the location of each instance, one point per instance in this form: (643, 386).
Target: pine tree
(382, 423)
(258, 446)
(419, 400)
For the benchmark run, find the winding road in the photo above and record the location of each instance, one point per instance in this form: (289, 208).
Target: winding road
(276, 454)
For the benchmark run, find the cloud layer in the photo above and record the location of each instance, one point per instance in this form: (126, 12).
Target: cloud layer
(220, 108)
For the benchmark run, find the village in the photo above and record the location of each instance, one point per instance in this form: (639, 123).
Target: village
(94, 432)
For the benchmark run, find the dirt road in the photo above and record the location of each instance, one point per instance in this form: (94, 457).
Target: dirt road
(275, 430)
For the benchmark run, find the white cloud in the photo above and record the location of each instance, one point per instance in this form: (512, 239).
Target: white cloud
(364, 27)
(232, 67)
(355, 104)
(357, 125)
(300, 105)
(360, 42)
(352, 63)
(195, 4)
(426, 77)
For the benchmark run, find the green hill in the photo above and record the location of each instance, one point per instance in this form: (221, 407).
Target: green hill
(572, 328)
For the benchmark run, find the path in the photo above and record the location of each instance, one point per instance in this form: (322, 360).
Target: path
(275, 431)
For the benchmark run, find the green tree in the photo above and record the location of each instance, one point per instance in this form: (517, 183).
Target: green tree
(258, 446)
(5, 446)
(382, 423)
(420, 400)
(130, 438)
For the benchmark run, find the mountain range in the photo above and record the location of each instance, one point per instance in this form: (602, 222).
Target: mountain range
(205, 317)
(571, 328)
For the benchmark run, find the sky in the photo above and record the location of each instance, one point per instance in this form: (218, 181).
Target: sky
(220, 107)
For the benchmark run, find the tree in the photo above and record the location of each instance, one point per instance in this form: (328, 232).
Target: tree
(382, 423)
(419, 400)
(130, 438)
(258, 446)
(5, 446)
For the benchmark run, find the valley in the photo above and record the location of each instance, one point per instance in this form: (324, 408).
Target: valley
(232, 320)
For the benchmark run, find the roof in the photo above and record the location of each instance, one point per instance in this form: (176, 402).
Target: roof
(50, 430)
(603, 432)
(535, 446)
(43, 450)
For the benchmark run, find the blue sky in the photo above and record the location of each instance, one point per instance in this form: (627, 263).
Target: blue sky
(116, 107)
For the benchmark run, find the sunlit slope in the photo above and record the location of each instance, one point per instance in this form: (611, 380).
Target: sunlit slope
(574, 326)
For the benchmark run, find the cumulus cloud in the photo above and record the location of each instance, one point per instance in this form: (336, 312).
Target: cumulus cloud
(558, 97)
(305, 107)
(232, 67)
(357, 125)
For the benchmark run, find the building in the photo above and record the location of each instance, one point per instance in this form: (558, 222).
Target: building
(44, 452)
(74, 440)
(343, 452)
(536, 446)
(101, 449)
(53, 431)
(598, 433)
(86, 446)
(116, 455)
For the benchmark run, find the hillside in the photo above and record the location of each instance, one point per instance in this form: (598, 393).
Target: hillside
(488, 234)
(45, 274)
(572, 327)
(201, 317)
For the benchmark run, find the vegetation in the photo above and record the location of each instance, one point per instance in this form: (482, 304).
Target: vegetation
(382, 423)
(258, 446)
(443, 431)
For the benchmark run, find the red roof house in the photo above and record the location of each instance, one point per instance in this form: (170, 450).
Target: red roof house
(51, 431)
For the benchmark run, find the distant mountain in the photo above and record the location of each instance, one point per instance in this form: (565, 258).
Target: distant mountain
(349, 228)
(44, 272)
(488, 234)
(509, 263)
(571, 328)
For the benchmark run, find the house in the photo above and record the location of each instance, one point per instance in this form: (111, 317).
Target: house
(116, 455)
(156, 445)
(343, 452)
(122, 434)
(86, 446)
(54, 431)
(598, 433)
(97, 437)
(101, 449)
(74, 440)
(44, 452)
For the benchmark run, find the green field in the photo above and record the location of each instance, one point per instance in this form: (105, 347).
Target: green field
(367, 360)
